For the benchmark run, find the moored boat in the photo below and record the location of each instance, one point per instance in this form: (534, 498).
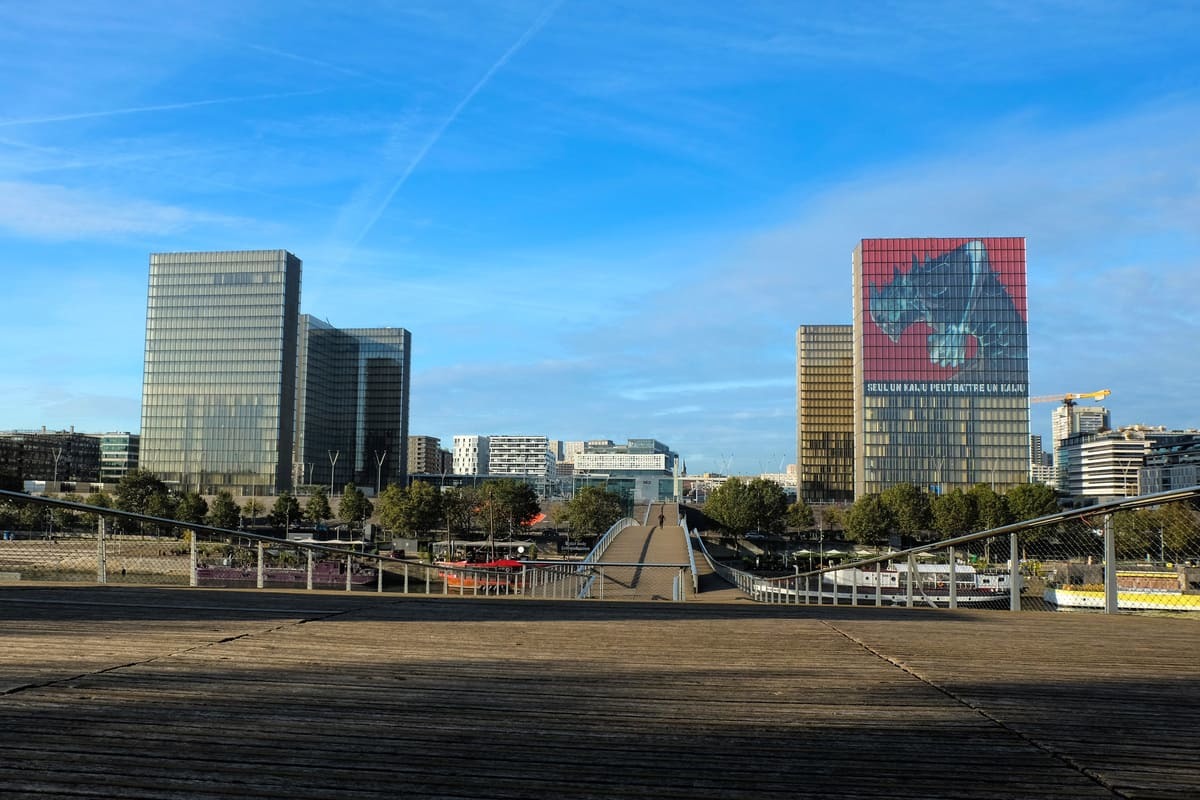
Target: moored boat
(890, 584)
(1137, 590)
(325, 573)
(492, 575)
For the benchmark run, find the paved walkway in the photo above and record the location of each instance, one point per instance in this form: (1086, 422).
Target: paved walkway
(118, 692)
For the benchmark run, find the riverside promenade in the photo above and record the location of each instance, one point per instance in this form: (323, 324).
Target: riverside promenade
(128, 692)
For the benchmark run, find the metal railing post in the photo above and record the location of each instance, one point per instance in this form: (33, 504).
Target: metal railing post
(1014, 573)
(878, 583)
(101, 556)
(349, 567)
(193, 579)
(379, 573)
(908, 577)
(1110, 567)
(261, 566)
(405, 577)
(309, 571)
(953, 579)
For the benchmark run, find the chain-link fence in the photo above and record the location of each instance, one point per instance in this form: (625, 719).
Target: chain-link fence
(1058, 562)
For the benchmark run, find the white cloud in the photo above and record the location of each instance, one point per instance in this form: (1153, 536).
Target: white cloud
(48, 211)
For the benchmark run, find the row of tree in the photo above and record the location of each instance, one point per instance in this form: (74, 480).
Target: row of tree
(908, 510)
(761, 505)
(142, 492)
(499, 508)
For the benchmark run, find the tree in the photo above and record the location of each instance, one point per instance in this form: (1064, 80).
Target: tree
(730, 505)
(831, 518)
(459, 507)
(770, 504)
(99, 499)
(739, 507)
(285, 511)
(1179, 526)
(1137, 533)
(317, 508)
(138, 489)
(800, 516)
(1031, 500)
(67, 520)
(592, 511)
(191, 508)
(954, 513)
(252, 509)
(909, 506)
(413, 510)
(354, 505)
(991, 509)
(508, 505)
(223, 513)
(869, 521)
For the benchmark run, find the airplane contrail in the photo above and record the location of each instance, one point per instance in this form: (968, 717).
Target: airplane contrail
(532, 31)
(8, 123)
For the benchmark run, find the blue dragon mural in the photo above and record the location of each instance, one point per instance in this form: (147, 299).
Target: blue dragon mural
(959, 296)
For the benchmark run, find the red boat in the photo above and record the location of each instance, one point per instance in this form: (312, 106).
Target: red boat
(487, 575)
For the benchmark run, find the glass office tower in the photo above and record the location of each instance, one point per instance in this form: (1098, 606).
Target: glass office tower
(825, 413)
(352, 405)
(941, 396)
(218, 392)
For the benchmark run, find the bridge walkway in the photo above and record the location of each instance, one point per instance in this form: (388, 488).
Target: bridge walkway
(660, 541)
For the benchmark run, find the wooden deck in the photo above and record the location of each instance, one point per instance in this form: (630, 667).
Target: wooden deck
(119, 692)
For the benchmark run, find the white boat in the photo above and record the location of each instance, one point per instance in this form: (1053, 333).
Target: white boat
(889, 585)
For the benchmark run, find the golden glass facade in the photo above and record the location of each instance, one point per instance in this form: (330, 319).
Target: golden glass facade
(825, 413)
(940, 363)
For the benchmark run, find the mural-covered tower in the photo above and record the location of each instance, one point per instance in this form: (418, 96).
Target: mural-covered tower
(941, 363)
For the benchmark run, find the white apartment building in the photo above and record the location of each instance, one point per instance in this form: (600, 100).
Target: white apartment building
(470, 455)
(1104, 465)
(608, 462)
(526, 457)
(1068, 420)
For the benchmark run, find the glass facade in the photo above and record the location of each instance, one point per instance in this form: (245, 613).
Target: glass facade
(941, 396)
(118, 455)
(218, 392)
(352, 405)
(825, 413)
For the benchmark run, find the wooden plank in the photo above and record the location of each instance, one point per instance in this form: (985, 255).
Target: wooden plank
(134, 693)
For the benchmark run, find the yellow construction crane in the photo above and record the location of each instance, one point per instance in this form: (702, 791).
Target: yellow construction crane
(1069, 398)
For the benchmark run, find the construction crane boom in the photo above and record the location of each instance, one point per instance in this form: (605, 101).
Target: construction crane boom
(1069, 398)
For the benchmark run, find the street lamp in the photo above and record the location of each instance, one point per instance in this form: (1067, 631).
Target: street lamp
(333, 457)
(379, 459)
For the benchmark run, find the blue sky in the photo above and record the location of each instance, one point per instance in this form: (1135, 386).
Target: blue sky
(599, 220)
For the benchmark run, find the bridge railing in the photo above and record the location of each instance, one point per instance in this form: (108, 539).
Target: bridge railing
(64, 541)
(691, 551)
(1134, 554)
